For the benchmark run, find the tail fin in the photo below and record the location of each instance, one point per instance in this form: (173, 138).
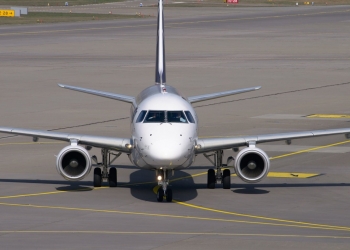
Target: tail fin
(160, 60)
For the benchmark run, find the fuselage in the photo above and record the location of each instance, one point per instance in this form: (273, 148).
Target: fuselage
(164, 129)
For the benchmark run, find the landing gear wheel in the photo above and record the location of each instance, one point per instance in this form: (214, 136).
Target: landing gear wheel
(211, 179)
(160, 194)
(169, 195)
(97, 177)
(112, 177)
(226, 179)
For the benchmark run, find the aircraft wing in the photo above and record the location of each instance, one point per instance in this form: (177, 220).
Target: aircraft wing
(212, 144)
(123, 98)
(201, 98)
(115, 143)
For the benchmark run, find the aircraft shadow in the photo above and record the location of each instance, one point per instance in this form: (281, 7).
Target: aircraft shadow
(70, 184)
(142, 183)
(250, 190)
(183, 189)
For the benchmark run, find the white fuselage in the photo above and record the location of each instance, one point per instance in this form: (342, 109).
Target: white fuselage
(166, 143)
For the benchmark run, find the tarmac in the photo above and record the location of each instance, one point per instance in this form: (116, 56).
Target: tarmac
(299, 55)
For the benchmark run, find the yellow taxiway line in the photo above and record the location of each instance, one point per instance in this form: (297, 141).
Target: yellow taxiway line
(303, 224)
(49, 193)
(289, 175)
(312, 226)
(271, 174)
(327, 116)
(281, 222)
(310, 150)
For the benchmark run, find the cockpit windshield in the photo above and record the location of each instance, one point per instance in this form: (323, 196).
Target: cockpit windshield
(190, 117)
(160, 116)
(176, 116)
(155, 116)
(141, 116)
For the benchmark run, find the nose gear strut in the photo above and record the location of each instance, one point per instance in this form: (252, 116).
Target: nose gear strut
(163, 183)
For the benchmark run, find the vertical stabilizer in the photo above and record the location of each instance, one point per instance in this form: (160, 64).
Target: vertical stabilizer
(160, 60)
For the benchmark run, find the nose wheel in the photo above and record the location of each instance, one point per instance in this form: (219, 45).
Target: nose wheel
(160, 194)
(169, 195)
(164, 190)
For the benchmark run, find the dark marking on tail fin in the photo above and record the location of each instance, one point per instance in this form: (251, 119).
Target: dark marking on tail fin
(160, 60)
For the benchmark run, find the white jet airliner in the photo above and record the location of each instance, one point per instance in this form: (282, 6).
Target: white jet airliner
(164, 137)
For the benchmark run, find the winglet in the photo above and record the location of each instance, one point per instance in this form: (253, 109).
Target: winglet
(160, 59)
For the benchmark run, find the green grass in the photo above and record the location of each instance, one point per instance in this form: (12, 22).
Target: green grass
(48, 17)
(52, 2)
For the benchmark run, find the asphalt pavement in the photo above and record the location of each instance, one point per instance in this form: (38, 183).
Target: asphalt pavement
(300, 57)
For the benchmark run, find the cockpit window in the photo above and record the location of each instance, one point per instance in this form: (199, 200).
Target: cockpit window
(190, 117)
(155, 116)
(176, 116)
(141, 116)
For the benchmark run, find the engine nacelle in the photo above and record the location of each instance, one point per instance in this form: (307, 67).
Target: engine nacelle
(252, 164)
(73, 163)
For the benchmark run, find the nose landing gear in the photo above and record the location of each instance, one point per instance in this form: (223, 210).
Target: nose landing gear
(163, 182)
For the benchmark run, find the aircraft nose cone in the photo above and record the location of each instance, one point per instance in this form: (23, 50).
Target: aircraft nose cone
(167, 153)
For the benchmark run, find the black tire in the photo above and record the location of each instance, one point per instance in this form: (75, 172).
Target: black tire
(97, 177)
(169, 195)
(211, 179)
(226, 179)
(160, 194)
(112, 177)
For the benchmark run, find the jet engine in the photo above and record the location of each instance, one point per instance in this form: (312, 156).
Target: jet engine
(252, 164)
(73, 163)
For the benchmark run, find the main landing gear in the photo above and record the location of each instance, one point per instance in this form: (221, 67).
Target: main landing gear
(218, 176)
(163, 182)
(103, 174)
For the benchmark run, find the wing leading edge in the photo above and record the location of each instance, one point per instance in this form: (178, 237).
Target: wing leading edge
(201, 98)
(212, 144)
(115, 143)
(123, 98)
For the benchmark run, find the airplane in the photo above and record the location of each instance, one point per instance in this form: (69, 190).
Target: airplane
(164, 137)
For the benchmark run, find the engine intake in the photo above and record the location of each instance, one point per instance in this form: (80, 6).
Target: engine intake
(73, 163)
(252, 164)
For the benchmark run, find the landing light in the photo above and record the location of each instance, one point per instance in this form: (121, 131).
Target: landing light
(159, 177)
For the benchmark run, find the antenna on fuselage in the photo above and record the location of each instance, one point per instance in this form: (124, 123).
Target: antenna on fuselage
(160, 60)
